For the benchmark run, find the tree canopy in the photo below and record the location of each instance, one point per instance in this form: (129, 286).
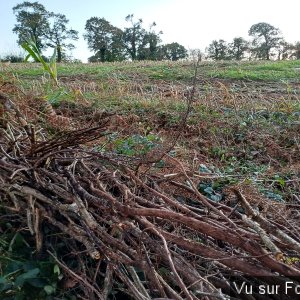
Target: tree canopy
(265, 38)
(134, 37)
(296, 48)
(266, 42)
(135, 42)
(57, 34)
(218, 50)
(110, 43)
(32, 23)
(150, 47)
(174, 51)
(104, 39)
(45, 28)
(237, 48)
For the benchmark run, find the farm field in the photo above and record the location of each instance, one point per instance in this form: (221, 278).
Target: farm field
(159, 145)
(244, 116)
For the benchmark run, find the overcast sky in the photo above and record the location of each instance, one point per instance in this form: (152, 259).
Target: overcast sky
(192, 23)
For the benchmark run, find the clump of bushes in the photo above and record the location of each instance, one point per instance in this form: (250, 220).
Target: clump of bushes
(13, 58)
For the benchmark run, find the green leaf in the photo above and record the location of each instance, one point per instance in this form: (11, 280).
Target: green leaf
(281, 181)
(29, 265)
(273, 196)
(56, 269)
(27, 57)
(5, 287)
(25, 276)
(49, 289)
(52, 64)
(31, 51)
(2, 280)
(34, 52)
(60, 277)
(37, 282)
(203, 169)
(216, 197)
(13, 267)
(209, 190)
(53, 58)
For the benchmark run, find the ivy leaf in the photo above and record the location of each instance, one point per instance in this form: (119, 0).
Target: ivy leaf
(216, 197)
(203, 169)
(209, 190)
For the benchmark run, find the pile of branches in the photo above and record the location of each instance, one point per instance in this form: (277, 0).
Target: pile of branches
(142, 238)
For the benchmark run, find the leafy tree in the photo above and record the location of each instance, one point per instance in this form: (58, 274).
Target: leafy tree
(44, 28)
(153, 39)
(13, 57)
(150, 49)
(94, 58)
(57, 34)
(110, 43)
(237, 48)
(117, 52)
(218, 50)
(296, 50)
(104, 39)
(134, 38)
(32, 23)
(285, 50)
(174, 51)
(265, 38)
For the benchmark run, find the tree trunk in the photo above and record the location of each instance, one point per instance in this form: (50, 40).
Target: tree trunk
(59, 54)
(102, 54)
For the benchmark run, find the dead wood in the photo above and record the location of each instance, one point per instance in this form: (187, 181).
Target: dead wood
(148, 244)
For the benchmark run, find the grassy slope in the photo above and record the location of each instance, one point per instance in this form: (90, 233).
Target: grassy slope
(243, 128)
(278, 70)
(243, 125)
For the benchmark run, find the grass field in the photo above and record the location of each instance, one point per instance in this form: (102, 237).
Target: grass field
(243, 125)
(242, 129)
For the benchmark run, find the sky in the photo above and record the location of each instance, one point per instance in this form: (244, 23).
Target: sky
(191, 23)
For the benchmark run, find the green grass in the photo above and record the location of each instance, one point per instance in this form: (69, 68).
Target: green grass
(268, 71)
(138, 88)
(169, 71)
